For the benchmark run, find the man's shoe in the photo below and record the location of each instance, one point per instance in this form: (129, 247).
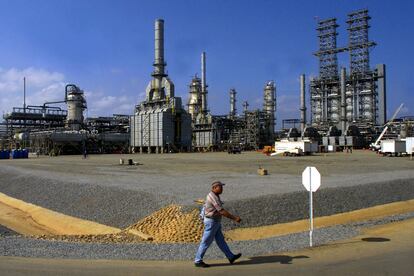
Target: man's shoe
(201, 264)
(234, 258)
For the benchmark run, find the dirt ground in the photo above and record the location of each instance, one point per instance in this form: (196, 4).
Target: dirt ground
(187, 176)
(359, 162)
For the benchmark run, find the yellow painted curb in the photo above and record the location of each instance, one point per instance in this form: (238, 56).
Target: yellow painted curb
(29, 219)
(263, 232)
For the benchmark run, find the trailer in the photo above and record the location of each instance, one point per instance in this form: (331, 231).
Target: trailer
(393, 147)
(295, 148)
(409, 145)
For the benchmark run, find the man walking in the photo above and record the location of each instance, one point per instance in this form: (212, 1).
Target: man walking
(213, 211)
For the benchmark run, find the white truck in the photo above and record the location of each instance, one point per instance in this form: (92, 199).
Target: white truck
(295, 148)
(393, 147)
(409, 145)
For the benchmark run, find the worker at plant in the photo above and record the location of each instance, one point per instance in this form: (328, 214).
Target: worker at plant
(212, 212)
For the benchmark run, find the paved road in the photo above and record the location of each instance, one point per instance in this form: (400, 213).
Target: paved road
(383, 250)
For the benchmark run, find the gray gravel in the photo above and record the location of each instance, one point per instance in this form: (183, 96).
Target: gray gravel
(112, 206)
(5, 232)
(24, 247)
(279, 208)
(120, 196)
(117, 202)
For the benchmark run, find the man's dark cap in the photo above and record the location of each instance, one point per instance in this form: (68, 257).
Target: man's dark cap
(215, 183)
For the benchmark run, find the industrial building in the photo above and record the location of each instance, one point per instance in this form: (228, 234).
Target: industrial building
(347, 108)
(251, 130)
(340, 99)
(160, 123)
(49, 129)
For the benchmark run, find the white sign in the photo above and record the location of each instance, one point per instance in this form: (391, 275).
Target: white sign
(311, 179)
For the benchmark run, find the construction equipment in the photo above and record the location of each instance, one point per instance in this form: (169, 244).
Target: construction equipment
(294, 148)
(376, 145)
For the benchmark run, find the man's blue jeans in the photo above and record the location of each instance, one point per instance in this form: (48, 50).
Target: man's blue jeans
(212, 230)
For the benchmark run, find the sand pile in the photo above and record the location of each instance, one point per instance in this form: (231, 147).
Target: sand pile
(171, 224)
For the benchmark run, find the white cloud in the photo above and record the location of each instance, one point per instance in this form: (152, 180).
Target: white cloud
(41, 86)
(45, 86)
(106, 105)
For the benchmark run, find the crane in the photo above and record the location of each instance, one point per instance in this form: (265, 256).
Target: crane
(376, 145)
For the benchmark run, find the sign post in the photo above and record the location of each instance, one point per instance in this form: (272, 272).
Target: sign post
(311, 179)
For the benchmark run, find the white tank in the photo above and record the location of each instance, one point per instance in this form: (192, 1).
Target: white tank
(21, 136)
(76, 104)
(335, 109)
(367, 107)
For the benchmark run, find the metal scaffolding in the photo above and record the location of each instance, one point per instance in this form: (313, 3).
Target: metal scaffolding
(359, 43)
(328, 60)
(358, 98)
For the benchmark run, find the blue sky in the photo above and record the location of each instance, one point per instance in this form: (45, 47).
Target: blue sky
(106, 47)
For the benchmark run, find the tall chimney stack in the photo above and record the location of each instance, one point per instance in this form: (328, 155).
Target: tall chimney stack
(302, 103)
(343, 100)
(203, 84)
(159, 63)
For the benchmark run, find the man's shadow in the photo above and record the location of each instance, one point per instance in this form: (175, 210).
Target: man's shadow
(282, 259)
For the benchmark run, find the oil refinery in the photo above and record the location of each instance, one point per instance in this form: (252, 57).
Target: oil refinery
(347, 108)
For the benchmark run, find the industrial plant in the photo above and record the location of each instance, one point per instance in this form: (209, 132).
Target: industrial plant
(48, 129)
(347, 109)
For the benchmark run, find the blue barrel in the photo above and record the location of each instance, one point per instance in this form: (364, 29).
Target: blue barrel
(16, 154)
(5, 154)
(25, 153)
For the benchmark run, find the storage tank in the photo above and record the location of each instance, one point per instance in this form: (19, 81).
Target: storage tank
(335, 110)
(76, 104)
(21, 136)
(349, 109)
(194, 101)
(366, 104)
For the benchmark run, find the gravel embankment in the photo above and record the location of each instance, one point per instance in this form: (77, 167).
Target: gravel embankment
(120, 198)
(107, 205)
(5, 232)
(24, 247)
(272, 209)
(121, 205)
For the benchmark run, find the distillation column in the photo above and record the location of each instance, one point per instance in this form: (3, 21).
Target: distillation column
(302, 103)
(203, 84)
(76, 104)
(343, 100)
(233, 102)
(269, 103)
(382, 95)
